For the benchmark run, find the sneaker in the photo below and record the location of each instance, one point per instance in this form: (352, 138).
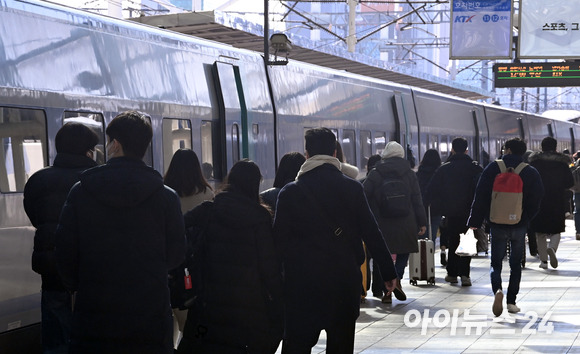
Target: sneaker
(512, 308)
(465, 281)
(543, 265)
(497, 307)
(553, 259)
(443, 258)
(577, 237)
(387, 299)
(451, 279)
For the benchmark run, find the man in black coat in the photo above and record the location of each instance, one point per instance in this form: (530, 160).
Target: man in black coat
(120, 232)
(319, 223)
(44, 195)
(557, 179)
(452, 187)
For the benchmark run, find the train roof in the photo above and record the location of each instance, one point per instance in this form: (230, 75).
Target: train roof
(235, 31)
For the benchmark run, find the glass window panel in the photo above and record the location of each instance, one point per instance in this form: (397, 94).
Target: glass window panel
(349, 146)
(23, 148)
(94, 121)
(366, 149)
(379, 140)
(176, 135)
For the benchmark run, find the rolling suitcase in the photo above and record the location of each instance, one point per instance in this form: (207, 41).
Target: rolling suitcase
(422, 263)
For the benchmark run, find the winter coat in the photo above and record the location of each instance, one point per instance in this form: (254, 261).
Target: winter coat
(532, 193)
(453, 186)
(322, 270)
(241, 305)
(44, 195)
(270, 196)
(120, 232)
(424, 175)
(557, 179)
(400, 233)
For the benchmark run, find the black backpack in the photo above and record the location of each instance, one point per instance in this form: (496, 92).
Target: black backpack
(186, 283)
(394, 198)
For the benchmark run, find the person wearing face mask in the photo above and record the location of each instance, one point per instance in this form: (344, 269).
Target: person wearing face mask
(44, 195)
(120, 232)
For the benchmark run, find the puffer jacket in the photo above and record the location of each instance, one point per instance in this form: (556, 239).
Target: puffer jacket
(44, 195)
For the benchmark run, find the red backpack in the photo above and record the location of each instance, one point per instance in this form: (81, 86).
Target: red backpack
(507, 195)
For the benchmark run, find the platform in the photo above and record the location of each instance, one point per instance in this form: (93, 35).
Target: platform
(447, 318)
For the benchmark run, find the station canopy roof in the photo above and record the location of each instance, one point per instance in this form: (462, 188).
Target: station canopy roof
(234, 30)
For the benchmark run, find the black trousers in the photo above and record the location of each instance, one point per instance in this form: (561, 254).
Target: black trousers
(456, 266)
(339, 338)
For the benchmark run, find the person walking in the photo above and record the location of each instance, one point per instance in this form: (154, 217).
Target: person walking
(240, 308)
(400, 231)
(319, 223)
(185, 177)
(452, 187)
(120, 232)
(429, 164)
(557, 179)
(44, 195)
(503, 234)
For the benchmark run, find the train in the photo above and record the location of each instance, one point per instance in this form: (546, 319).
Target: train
(60, 64)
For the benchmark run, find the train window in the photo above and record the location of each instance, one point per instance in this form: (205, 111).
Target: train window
(207, 163)
(176, 135)
(348, 146)
(366, 148)
(379, 140)
(23, 150)
(148, 157)
(235, 143)
(94, 121)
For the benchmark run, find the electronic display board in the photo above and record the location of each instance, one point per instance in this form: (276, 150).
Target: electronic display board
(536, 74)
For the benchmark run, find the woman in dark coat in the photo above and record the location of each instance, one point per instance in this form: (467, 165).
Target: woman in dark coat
(240, 308)
(430, 163)
(400, 233)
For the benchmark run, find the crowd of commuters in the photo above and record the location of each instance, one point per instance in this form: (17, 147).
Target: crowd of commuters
(278, 266)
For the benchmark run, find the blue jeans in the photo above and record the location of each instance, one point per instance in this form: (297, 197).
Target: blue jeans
(500, 236)
(401, 264)
(56, 310)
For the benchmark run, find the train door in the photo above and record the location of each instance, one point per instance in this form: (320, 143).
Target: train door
(402, 133)
(481, 146)
(230, 136)
(23, 151)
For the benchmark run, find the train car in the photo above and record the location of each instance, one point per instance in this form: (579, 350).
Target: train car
(59, 64)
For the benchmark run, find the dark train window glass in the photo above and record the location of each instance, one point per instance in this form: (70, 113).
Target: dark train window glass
(348, 144)
(206, 154)
(366, 148)
(444, 148)
(23, 150)
(235, 143)
(176, 135)
(148, 157)
(94, 121)
(379, 141)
